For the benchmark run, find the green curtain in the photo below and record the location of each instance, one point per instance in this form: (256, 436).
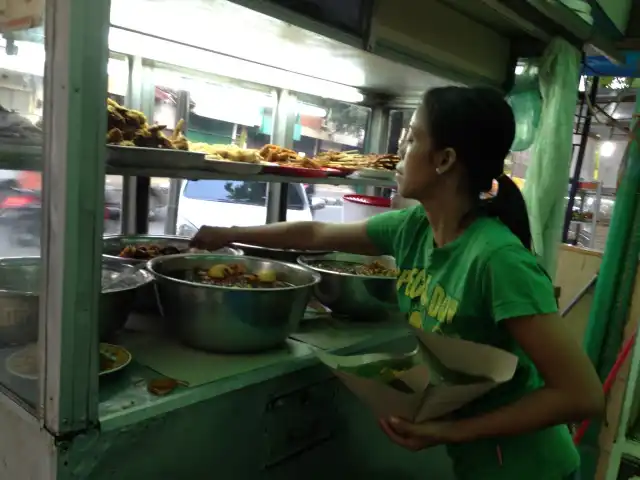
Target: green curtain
(548, 173)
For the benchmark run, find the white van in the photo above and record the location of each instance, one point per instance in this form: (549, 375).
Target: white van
(227, 203)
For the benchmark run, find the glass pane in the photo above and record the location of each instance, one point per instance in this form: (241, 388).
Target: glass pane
(21, 135)
(21, 102)
(219, 111)
(112, 204)
(398, 123)
(328, 125)
(325, 124)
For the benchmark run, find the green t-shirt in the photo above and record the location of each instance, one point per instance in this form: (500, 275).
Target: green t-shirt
(465, 289)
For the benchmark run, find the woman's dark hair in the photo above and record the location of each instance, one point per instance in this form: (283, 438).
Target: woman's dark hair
(479, 125)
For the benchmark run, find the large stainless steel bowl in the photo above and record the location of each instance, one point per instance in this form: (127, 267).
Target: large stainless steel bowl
(19, 304)
(282, 255)
(226, 319)
(147, 298)
(358, 297)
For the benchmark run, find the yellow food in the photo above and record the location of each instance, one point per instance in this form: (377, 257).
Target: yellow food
(356, 161)
(287, 157)
(235, 275)
(129, 128)
(219, 271)
(267, 276)
(231, 153)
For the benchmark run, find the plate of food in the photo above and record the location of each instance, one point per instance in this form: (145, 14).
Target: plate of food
(373, 269)
(233, 153)
(377, 173)
(229, 166)
(342, 171)
(113, 358)
(24, 363)
(337, 172)
(130, 128)
(293, 171)
(142, 248)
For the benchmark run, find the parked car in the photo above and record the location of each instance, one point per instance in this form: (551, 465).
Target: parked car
(227, 203)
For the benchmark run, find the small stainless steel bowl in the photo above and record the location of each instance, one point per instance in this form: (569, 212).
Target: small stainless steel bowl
(282, 255)
(19, 303)
(112, 245)
(359, 297)
(228, 319)
(147, 299)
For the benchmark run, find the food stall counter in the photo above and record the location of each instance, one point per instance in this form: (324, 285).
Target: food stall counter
(265, 416)
(164, 375)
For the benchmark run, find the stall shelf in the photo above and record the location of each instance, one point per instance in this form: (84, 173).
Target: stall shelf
(198, 174)
(126, 401)
(30, 158)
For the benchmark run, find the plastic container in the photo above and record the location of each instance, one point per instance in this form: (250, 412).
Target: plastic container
(361, 207)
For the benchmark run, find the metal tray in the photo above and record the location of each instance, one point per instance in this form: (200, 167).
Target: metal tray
(141, 157)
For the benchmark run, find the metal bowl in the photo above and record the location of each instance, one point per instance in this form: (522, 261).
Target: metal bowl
(147, 298)
(112, 245)
(359, 297)
(281, 255)
(227, 319)
(19, 302)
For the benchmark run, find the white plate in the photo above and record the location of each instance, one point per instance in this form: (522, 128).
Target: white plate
(240, 168)
(122, 359)
(143, 157)
(377, 174)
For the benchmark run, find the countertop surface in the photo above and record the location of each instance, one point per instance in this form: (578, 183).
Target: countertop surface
(125, 400)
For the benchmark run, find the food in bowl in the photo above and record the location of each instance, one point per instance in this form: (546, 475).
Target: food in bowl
(235, 275)
(373, 269)
(149, 251)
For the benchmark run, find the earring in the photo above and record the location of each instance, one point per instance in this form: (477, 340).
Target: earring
(438, 171)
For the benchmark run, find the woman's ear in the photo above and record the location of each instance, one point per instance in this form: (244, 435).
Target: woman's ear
(445, 160)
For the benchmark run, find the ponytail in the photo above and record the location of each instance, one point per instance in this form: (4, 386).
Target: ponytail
(509, 206)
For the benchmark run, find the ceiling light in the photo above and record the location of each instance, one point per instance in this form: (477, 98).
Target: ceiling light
(607, 149)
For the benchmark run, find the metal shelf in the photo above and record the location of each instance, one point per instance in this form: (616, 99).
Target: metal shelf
(208, 175)
(30, 159)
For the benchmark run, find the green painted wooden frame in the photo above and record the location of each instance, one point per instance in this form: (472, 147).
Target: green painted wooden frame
(73, 186)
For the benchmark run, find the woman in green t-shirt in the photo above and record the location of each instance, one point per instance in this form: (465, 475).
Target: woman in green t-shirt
(467, 270)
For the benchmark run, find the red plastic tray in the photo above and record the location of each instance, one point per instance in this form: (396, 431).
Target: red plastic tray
(368, 200)
(294, 171)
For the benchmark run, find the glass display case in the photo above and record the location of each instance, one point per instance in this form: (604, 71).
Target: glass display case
(42, 196)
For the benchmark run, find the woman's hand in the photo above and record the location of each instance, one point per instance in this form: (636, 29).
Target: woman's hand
(418, 436)
(341, 237)
(211, 238)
